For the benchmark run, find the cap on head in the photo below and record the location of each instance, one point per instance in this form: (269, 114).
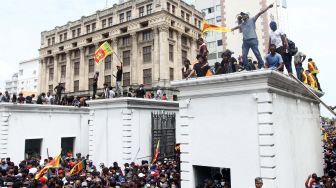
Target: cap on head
(227, 53)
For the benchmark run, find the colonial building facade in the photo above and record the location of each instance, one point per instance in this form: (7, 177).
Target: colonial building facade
(150, 37)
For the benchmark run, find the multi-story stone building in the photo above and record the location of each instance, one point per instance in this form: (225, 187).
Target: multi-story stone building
(28, 77)
(11, 85)
(150, 37)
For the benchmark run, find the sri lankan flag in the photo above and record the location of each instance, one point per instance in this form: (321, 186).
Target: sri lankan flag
(77, 168)
(104, 50)
(55, 163)
(156, 154)
(206, 27)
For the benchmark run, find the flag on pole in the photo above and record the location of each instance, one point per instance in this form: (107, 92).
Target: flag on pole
(55, 163)
(104, 50)
(156, 152)
(77, 168)
(206, 27)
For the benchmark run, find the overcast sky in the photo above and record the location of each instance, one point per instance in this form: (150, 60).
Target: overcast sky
(22, 21)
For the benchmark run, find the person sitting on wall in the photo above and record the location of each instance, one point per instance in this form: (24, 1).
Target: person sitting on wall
(186, 70)
(273, 59)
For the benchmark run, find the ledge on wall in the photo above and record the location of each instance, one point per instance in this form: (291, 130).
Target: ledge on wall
(242, 82)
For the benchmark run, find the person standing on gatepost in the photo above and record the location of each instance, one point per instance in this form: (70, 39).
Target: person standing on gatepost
(279, 39)
(119, 89)
(299, 58)
(247, 26)
(95, 85)
(58, 90)
(314, 71)
(203, 49)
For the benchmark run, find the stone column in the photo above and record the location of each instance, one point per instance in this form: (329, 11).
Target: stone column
(82, 69)
(115, 60)
(42, 73)
(156, 60)
(164, 50)
(193, 48)
(134, 61)
(178, 56)
(55, 82)
(68, 80)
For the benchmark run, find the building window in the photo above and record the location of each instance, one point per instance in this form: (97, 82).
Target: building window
(51, 74)
(187, 17)
(61, 37)
(121, 17)
(211, 21)
(149, 9)
(50, 88)
(184, 55)
(147, 54)
(171, 74)
(91, 65)
(173, 9)
(104, 23)
(128, 15)
(67, 144)
(199, 24)
(147, 35)
(126, 79)
(211, 45)
(65, 36)
(92, 49)
(21, 72)
(168, 7)
(90, 84)
(184, 40)
(53, 40)
(48, 42)
(219, 42)
(171, 52)
(78, 32)
(76, 85)
(218, 8)
(182, 14)
(108, 62)
(73, 33)
(218, 19)
(147, 77)
(32, 148)
(141, 11)
(110, 21)
(88, 29)
(63, 57)
(76, 53)
(125, 41)
(34, 73)
(171, 34)
(76, 68)
(63, 71)
(211, 10)
(93, 27)
(212, 56)
(108, 80)
(126, 58)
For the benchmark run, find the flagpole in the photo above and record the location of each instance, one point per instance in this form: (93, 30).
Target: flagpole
(117, 57)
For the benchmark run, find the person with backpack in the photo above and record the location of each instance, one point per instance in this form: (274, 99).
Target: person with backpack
(279, 39)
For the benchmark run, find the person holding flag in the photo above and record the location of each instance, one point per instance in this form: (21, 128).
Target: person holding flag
(55, 163)
(78, 168)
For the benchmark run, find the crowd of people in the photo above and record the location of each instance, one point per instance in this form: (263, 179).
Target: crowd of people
(165, 173)
(328, 179)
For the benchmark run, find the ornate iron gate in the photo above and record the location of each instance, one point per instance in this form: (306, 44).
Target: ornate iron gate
(163, 129)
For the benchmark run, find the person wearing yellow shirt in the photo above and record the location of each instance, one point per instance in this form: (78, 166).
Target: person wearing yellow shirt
(314, 70)
(310, 80)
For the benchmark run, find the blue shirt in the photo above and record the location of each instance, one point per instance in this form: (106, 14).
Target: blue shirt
(273, 62)
(248, 29)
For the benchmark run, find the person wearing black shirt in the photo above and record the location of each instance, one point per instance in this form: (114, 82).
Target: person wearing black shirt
(29, 99)
(200, 68)
(140, 92)
(58, 89)
(119, 89)
(95, 84)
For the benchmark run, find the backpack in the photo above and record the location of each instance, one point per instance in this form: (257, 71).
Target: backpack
(292, 49)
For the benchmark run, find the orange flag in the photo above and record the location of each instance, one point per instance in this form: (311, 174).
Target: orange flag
(55, 163)
(206, 27)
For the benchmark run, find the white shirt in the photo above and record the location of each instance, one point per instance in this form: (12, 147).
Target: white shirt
(276, 38)
(48, 99)
(33, 170)
(112, 94)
